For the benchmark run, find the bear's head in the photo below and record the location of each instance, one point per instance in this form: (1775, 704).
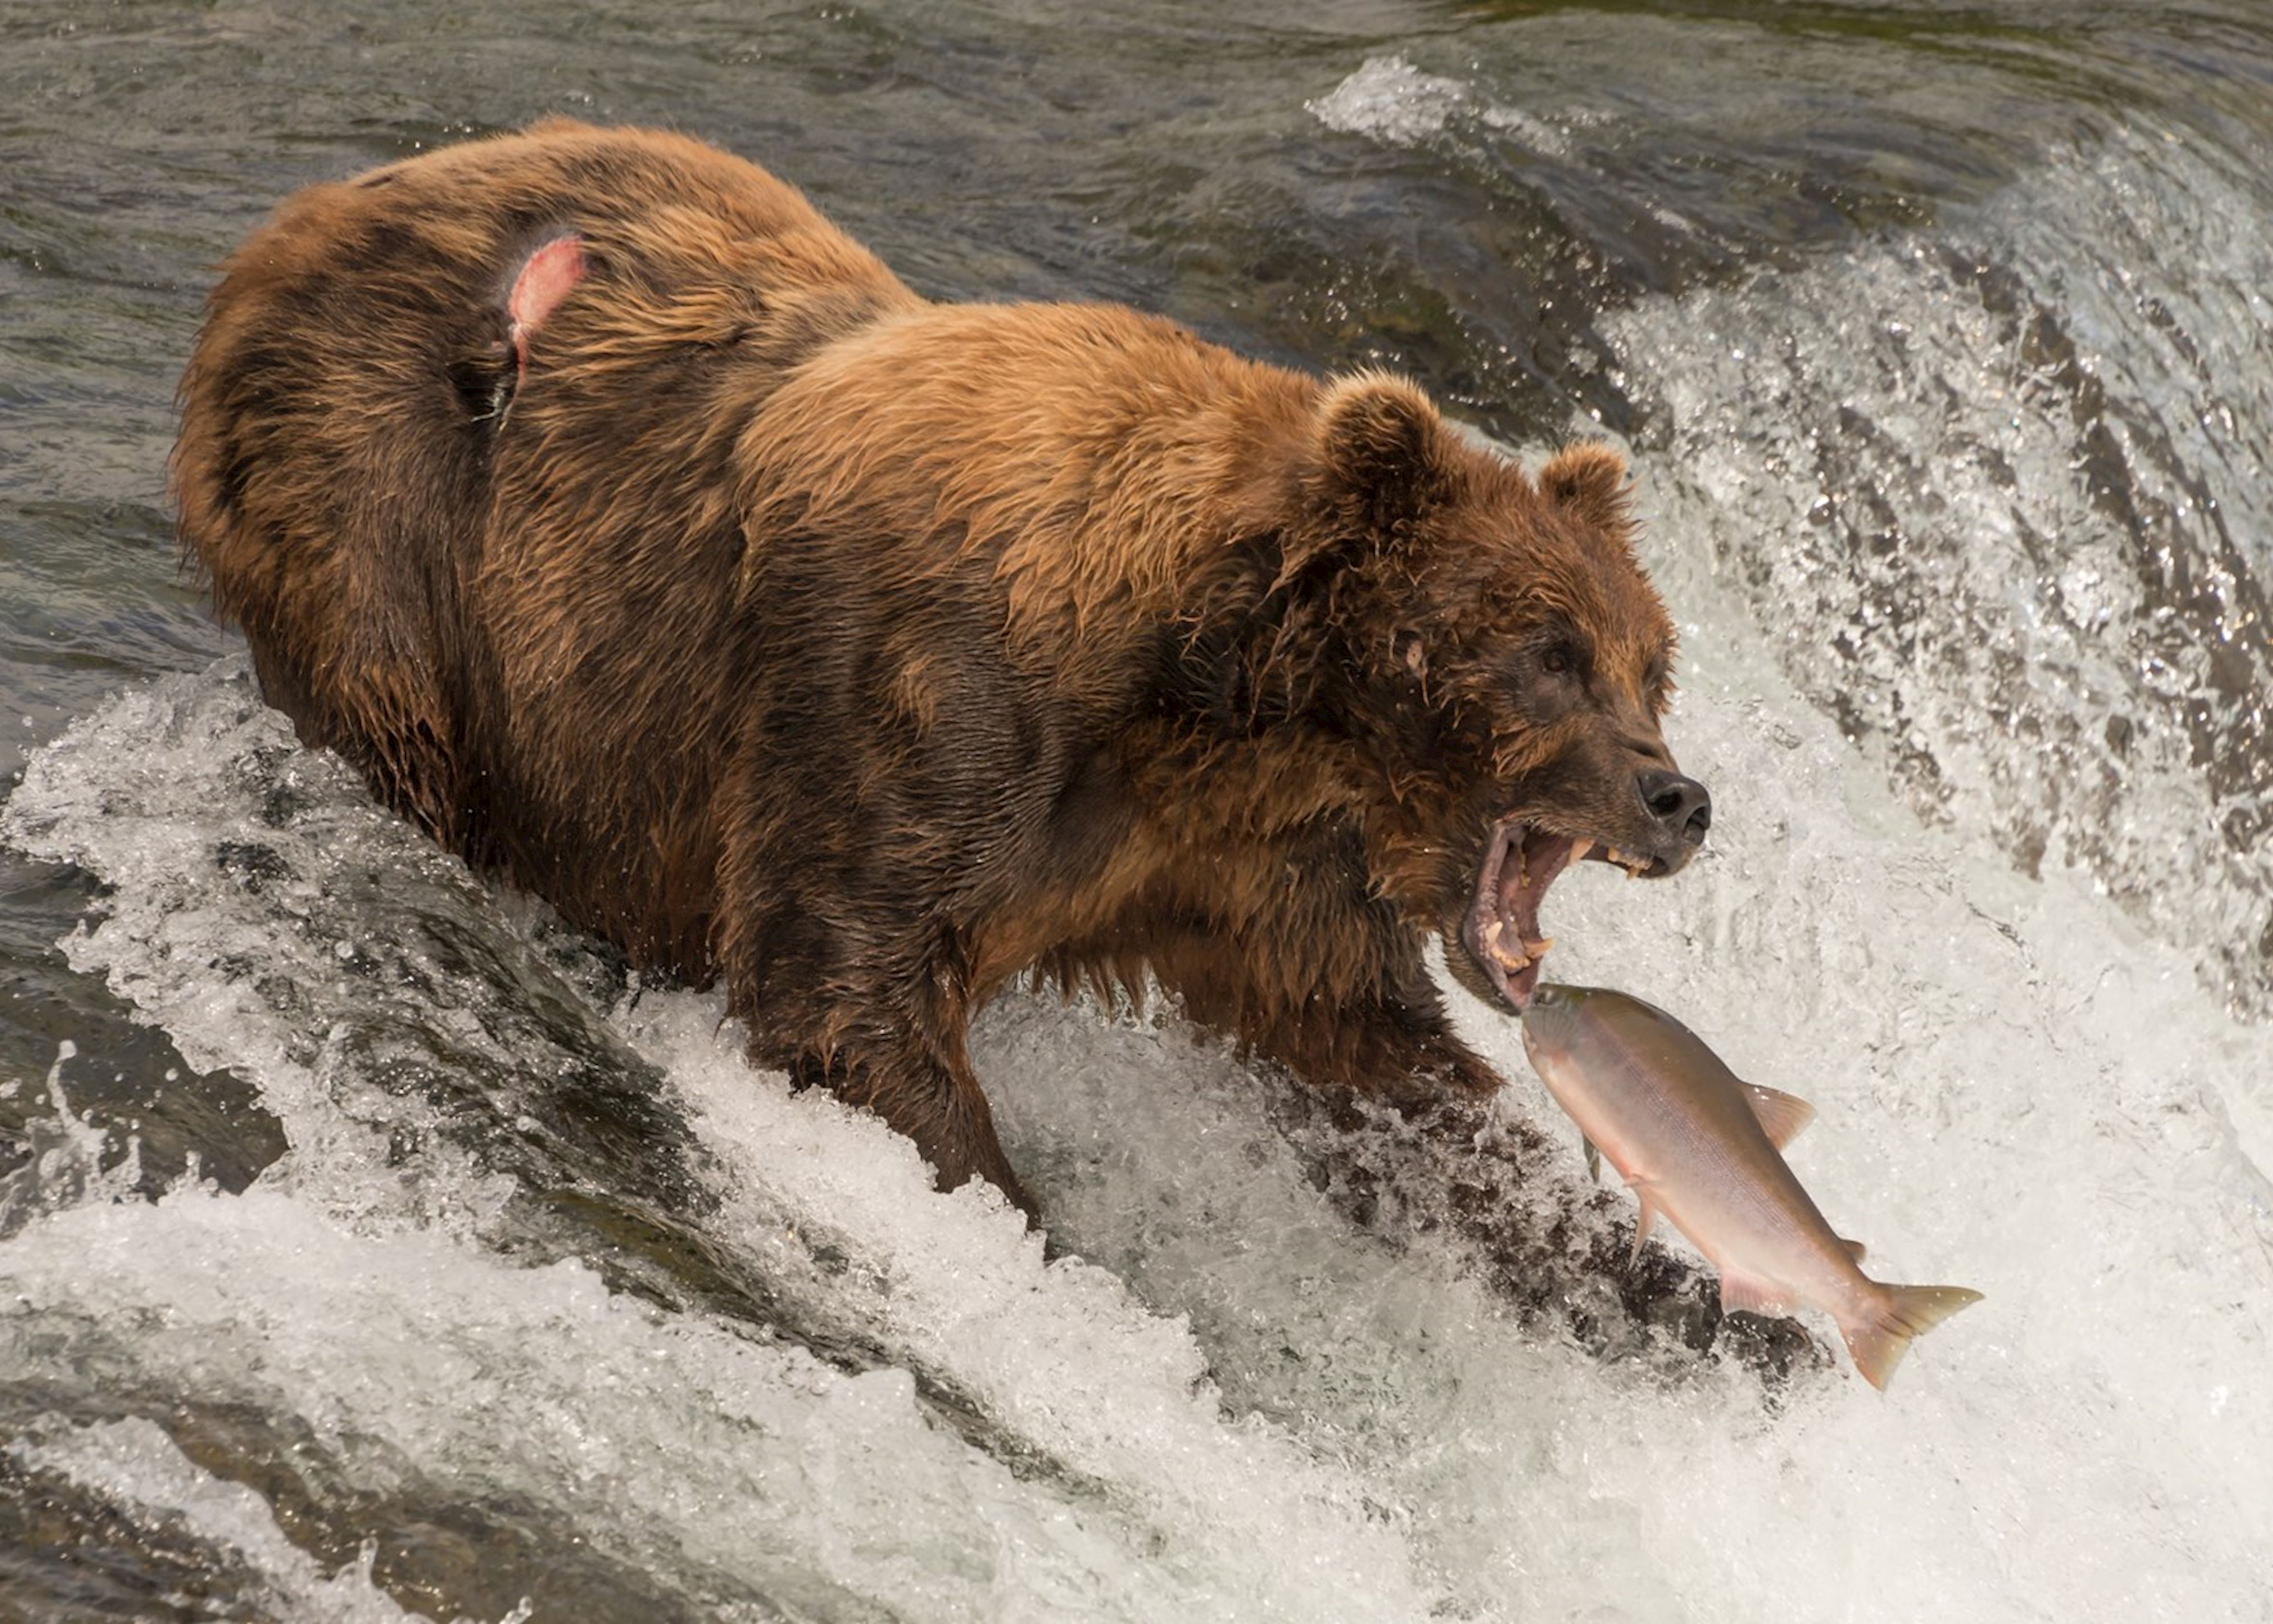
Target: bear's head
(1501, 665)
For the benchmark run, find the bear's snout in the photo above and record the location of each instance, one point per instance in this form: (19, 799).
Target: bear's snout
(1680, 807)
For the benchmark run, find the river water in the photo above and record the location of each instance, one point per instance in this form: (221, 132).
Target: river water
(372, 1248)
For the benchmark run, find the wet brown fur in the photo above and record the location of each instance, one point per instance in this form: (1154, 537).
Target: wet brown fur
(868, 652)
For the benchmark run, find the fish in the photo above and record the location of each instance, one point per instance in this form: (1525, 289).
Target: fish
(1704, 1150)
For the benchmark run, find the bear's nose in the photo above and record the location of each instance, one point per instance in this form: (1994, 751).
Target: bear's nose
(1681, 806)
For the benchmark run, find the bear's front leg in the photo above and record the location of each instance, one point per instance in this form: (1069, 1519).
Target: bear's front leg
(873, 1006)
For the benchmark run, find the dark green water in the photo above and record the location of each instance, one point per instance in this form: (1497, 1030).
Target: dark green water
(1939, 333)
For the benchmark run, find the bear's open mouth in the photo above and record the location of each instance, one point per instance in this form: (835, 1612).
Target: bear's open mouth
(1502, 930)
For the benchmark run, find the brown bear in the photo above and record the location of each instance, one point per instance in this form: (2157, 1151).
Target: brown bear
(649, 543)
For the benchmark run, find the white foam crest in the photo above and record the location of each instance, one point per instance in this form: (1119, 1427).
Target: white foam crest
(2017, 1094)
(1391, 100)
(135, 1466)
(1158, 1158)
(1394, 102)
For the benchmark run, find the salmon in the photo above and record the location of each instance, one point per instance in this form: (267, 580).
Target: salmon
(1703, 1149)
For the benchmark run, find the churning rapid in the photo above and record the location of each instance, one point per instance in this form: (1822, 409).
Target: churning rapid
(372, 1247)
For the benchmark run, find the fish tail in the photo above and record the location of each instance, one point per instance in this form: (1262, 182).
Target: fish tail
(1880, 1341)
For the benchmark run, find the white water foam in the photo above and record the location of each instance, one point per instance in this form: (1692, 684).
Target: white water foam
(1994, 490)
(1389, 99)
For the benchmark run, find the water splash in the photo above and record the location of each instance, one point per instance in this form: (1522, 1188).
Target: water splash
(65, 1161)
(1391, 100)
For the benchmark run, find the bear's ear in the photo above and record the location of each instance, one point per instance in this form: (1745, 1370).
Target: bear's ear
(1589, 479)
(1382, 452)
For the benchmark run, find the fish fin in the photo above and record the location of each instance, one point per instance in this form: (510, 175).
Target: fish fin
(1781, 1115)
(1879, 1341)
(1750, 1294)
(1855, 1249)
(1642, 1224)
(1594, 1161)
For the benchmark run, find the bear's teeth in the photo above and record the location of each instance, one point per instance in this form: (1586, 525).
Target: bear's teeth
(1538, 949)
(1506, 961)
(1580, 849)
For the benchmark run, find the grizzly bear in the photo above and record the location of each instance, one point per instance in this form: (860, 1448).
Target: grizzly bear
(651, 543)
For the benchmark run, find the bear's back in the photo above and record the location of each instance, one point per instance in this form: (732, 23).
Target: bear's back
(344, 419)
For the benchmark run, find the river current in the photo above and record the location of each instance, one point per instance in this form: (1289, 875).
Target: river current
(372, 1247)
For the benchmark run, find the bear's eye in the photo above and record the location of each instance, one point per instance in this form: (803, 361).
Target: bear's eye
(1559, 660)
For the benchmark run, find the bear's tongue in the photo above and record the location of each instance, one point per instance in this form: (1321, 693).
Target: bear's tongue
(1503, 928)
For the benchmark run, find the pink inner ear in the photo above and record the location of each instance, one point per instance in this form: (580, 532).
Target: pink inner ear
(545, 278)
